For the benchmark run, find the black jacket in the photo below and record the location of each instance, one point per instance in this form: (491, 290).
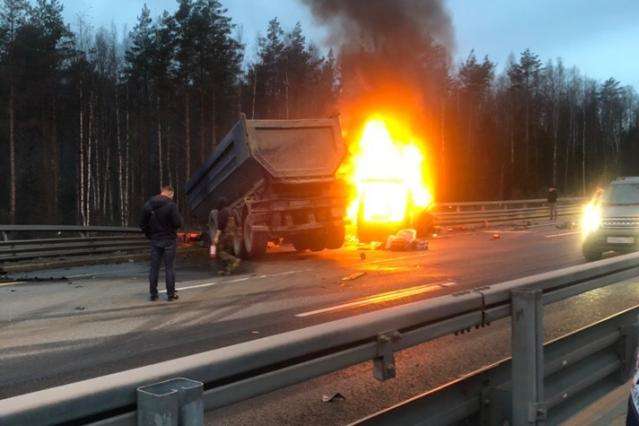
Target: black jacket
(552, 196)
(160, 219)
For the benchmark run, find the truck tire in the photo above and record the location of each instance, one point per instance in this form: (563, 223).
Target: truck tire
(424, 224)
(299, 243)
(313, 241)
(317, 241)
(335, 237)
(254, 243)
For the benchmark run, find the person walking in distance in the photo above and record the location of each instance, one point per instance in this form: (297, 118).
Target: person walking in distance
(160, 222)
(222, 227)
(552, 202)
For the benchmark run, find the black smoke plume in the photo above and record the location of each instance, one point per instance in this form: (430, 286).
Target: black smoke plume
(374, 24)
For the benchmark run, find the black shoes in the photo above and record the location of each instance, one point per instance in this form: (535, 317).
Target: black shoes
(169, 297)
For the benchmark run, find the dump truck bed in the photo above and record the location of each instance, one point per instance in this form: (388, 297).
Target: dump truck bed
(257, 150)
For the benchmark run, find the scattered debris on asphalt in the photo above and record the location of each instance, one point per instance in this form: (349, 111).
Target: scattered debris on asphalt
(80, 308)
(255, 332)
(334, 397)
(362, 256)
(495, 236)
(566, 225)
(353, 276)
(405, 240)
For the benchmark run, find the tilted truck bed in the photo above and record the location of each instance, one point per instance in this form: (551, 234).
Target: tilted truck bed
(282, 150)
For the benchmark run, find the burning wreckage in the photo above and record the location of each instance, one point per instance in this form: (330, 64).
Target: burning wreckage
(285, 183)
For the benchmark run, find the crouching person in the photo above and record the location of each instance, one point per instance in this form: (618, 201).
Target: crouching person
(222, 227)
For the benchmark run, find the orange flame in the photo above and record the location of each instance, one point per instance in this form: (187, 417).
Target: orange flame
(386, 172)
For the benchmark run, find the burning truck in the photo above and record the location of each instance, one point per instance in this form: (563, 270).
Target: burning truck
(279, 176)
(386, 172)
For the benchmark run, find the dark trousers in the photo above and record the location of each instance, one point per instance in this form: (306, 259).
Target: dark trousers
(552, 207)
(160, 249)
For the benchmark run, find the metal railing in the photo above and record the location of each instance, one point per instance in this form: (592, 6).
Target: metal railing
(236, 373)
(450, 214)
(65, 245)
(25, 246)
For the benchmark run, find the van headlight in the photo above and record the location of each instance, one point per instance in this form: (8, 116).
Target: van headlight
(591, 219)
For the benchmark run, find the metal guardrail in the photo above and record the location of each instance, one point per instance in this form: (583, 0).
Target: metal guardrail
(599, 356)
(501, 205)
(450, 214)
(63, 243)
(235, 373)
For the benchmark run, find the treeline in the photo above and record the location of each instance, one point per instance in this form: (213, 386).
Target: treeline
(535, 125)
(92, 122)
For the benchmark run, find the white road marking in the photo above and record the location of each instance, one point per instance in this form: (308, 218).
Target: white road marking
(379, 298)
(507, 231)
(194, 286)
(563, 234)
(235, 280)
(10, 283)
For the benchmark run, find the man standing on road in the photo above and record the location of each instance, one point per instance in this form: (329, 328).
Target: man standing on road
(222, 228)
(160, 222)
(552, 202)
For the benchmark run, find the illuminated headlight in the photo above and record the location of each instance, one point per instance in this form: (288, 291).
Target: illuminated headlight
(591, 219)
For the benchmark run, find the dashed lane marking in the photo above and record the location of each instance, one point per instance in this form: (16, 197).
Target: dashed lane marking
(235, 280)
(194, 286)
(379, 298)
(10, 283)
(563, 234)
(507, 231)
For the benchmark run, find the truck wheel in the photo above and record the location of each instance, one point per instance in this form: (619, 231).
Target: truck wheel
(424, 224)
(238, 238)
(335, 237)
(317, 241)
(254, 242)
(314, 241)
(299, 243)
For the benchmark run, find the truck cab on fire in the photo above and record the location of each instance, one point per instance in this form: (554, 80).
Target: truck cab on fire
(610, 221)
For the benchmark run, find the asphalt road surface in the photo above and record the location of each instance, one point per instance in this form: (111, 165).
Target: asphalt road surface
(98, 320)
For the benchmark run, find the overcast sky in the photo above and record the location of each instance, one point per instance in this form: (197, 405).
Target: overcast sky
(600, 37)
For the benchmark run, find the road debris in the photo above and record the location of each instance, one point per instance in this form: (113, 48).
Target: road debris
(255, 332)
(495, 236)
(334, 397)
(353, 276)
(80, 308)
(566, 225)
(362, 256)
(405, 240)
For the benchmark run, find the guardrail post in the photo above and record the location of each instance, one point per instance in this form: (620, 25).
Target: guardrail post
(528, 357)
(4, 236)
(384, 363)
(174, 402)
(627, 349)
